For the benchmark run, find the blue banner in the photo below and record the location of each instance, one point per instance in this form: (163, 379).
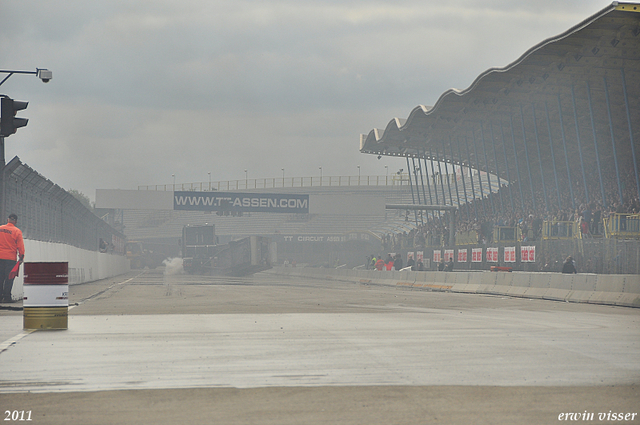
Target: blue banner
(241, 202)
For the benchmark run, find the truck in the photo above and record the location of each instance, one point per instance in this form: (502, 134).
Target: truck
(141, 256)
(203, 255)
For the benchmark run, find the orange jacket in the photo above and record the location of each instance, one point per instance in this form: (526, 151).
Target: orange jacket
(10, 242)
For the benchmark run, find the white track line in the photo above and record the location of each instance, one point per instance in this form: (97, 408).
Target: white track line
(8, 343)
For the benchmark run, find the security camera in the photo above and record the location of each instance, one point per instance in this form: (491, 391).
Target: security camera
(45, 75)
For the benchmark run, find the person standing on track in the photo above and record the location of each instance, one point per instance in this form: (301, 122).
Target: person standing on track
(11, 244)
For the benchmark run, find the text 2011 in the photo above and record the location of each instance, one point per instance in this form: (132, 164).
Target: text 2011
(17, 415)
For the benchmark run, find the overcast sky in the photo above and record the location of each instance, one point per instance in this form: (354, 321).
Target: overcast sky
(142, 90)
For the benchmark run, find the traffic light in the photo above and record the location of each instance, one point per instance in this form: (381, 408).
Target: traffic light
(9, 124)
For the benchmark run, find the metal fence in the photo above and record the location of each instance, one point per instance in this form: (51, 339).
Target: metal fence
(401, 179)
(46, 212)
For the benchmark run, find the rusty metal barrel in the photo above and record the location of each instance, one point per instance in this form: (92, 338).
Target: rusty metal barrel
(46, 295)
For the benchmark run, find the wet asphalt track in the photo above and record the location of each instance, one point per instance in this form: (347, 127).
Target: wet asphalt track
(146, 334)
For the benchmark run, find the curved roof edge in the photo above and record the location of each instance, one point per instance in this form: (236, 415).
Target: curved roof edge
(378, 135)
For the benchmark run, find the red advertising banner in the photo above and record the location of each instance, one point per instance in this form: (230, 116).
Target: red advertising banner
(437, 255)
(509, 254)
(462, 255)
(492, 255)
(528, 254)
(476, 255)
(524, 254)
(448, 255)
(532, 254)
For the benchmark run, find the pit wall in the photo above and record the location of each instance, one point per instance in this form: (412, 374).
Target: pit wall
(618, 290)
(84, 266)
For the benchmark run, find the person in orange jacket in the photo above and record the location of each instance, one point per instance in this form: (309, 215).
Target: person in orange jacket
(11, 244)
(379, 264)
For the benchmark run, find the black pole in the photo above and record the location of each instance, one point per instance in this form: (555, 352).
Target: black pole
(2, 164)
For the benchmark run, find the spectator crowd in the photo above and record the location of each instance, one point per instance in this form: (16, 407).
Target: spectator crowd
(497, 209)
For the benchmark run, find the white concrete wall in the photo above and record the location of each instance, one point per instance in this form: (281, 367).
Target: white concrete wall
(610, 289)
(84, 266)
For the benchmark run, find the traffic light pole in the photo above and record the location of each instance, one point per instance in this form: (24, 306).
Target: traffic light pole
(14, 72)
(2, 164)
(45, 75)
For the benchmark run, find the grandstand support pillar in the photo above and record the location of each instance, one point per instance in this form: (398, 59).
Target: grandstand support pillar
(566, 155)
(426, 171)
(475, 152)
(413, 199)
(526, 155)
(633, 150)
(444, 197)
(452, 228)
(455, 177)
(595, 143)
(448, 208)
(515, 156)
(486, 165)
(478, 166)
(613, 139)
(420, 168)
(495, 159)
(415, 176)
(424, 161)
(435, 185)
(464, 185)
(473, 189)
(535, 131)
(506, 162)
(446, 171)
(553, 157)
(575, 117)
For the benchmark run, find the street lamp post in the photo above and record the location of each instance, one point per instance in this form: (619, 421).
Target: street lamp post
(282, 177)
(358, 175)
(246, 179)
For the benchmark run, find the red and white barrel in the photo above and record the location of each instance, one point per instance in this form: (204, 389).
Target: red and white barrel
(46, 295)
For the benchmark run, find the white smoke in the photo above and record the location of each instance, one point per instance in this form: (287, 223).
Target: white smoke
(173, 266)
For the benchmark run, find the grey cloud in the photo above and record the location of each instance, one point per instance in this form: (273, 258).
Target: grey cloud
(142, 90)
